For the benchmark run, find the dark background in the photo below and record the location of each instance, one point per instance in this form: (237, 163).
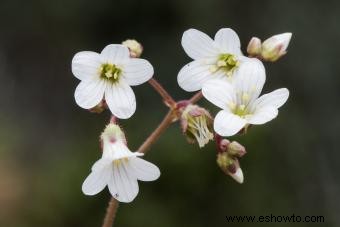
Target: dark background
(48, 143)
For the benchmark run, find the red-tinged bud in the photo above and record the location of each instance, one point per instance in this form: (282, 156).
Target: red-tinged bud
(275, 47)
(236, 149)
(230, 165)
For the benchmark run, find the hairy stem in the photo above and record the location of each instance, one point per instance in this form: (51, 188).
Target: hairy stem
(168, 119)
(196, 97)
(110, 213)
(169, 101)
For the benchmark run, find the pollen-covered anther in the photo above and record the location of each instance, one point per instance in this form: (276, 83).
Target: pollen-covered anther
(226, 62)
(213, 68)
(110, 72)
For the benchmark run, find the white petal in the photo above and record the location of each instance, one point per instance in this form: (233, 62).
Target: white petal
(137, 71)
(96, 181)
(117, 150)
(120, 99)
(89, 93)
(249, 79)
(228, 124)
(101, 164)
(193, 75)
(115, 54)
(263, 115)
(123, 185)
(238, 176)
(86, 65)
(276, 40)
(144, 170)
(219, 92)
(274, 99)
(228, 41)
(198, 45)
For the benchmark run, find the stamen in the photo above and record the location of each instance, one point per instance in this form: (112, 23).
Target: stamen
(110, 72)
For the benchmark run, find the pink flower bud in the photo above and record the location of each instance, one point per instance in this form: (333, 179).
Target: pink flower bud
(275, 47)
(254, 47)
(223, 145)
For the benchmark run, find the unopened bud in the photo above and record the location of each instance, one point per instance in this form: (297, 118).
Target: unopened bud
(112, 134)
(238, 175)
(275, 47)
(196, 123)
(236, 149)
(223, 145)
(230, 165)
(135, 47)
(254, 47)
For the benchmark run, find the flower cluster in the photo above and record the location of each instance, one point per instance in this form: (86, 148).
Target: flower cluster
(233, 82)
(219, 71)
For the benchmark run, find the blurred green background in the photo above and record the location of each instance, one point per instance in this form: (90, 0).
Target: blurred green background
(48, 143)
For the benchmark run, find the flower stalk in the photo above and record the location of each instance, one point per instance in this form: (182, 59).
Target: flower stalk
(170, 117)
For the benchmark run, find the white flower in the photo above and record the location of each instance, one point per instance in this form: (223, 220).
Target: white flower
(275, 47)
(240, 102)
(119, 168)
(109, 74)
(217, 58)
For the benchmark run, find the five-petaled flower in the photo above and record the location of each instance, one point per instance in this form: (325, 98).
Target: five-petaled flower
(119, 168)
(109, 75)
(218, 58)
(240, 101)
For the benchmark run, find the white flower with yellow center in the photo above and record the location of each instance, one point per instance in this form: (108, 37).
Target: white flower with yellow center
(218, 58)
(119, 168)
(240, 102)
(109, 75)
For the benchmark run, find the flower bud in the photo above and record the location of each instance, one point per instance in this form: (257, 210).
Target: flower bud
(275, 47)
(196, 124)
(236, 149)
(230, 166)
(223, 145)
(112, 134)
(135, 47)
(254, 47)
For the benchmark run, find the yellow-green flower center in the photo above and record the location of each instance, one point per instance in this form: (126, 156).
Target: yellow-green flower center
(118, 162)
(110, 72)
(227, 63)
(241, 109)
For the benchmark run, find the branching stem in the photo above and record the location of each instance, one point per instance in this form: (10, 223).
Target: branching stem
(171, 117)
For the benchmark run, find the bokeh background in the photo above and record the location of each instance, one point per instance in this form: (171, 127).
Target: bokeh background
(48, 144)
